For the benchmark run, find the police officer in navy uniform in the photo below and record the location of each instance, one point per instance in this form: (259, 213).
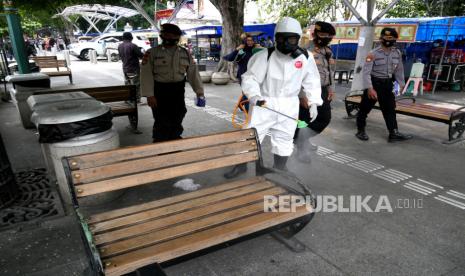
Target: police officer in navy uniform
(382, 67)
(322, 36)
(164, 72)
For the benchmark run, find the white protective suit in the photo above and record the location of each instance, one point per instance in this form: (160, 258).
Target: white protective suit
(278, 81)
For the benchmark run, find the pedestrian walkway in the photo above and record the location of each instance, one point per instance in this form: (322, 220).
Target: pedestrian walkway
(413, 241)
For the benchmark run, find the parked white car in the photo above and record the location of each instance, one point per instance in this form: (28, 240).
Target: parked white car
(104, 42)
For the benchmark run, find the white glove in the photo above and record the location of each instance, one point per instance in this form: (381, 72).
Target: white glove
(313, 112)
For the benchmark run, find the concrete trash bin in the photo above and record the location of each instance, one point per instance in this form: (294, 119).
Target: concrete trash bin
(36, 101)
(206, 76)
(69, 128)
(220, 78)
(24, 86)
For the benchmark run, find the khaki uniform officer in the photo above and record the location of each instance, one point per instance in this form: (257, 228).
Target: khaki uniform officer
(383, 65)
(322, 36)
(164, 71)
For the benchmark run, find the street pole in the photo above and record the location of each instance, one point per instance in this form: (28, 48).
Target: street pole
(16, 36)
(366, 38)
(439, 68)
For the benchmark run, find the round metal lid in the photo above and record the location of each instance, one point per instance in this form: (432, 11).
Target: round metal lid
(26, 77)
(68, 112)
(35, 101)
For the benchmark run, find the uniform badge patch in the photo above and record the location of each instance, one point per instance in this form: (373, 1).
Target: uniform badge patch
(298, 64)
(370, 57)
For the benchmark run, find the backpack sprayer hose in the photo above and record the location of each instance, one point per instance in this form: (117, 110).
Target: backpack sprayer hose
(240, 106)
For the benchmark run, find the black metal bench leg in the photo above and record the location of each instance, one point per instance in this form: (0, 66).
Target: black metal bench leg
(133, 121)
(71, 79)
(456, 130)
(351, 109)
(286, 234)
(290, 242)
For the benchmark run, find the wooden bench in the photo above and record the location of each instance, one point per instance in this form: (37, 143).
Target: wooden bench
(51, 62)
(122, 99)
(123, 240)
(434, 111)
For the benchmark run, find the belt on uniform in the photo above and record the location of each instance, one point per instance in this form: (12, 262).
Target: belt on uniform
(382, 79)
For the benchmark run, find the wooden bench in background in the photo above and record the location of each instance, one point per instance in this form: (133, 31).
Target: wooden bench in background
(123, 240)
(122, 99)
(434, 111)
(51, 62)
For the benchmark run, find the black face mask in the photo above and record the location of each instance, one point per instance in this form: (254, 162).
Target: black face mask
(170, 42)
(284, 46)
(388, 43)
(322, 41)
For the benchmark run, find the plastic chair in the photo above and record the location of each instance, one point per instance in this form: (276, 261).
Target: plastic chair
(415, 81)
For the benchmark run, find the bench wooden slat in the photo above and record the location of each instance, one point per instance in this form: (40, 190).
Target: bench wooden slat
(188, 215)
(171, 200)
(122, 111)
(355, 99)
(163, 174)
(152, 238)
(87, 90)
(109, 93)
(178, 207)
(51, 62)
(124, 154)
(426, 107)
(197, 241)
(415, 108)
(110, 98)
(431, 114)
(156, 162)
(57, 73)
(121, 104)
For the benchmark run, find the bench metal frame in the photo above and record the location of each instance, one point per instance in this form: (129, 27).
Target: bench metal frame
(456, 120)
(283, 232)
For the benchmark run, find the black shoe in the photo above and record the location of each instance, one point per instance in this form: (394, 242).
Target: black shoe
(280, 162)
(236, 171)
(395, 136)
(362, 135)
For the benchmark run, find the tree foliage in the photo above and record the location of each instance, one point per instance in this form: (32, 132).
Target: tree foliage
(413, 8)
(307, 11)
(39, 14)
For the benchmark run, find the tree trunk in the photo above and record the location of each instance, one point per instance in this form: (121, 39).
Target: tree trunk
(232, 13)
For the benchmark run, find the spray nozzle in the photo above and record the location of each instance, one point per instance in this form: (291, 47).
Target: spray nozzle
(301, 124)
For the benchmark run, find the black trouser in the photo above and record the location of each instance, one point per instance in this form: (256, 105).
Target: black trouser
(170, 111)
(387, 104)
(324, 114)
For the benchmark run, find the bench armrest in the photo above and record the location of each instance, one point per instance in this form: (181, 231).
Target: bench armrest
(457, 112)
(269, 173)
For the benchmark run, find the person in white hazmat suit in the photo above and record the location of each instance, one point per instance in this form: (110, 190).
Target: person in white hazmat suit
(275, 81)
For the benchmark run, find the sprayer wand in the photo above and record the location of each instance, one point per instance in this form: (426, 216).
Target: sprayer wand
(300, 124)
